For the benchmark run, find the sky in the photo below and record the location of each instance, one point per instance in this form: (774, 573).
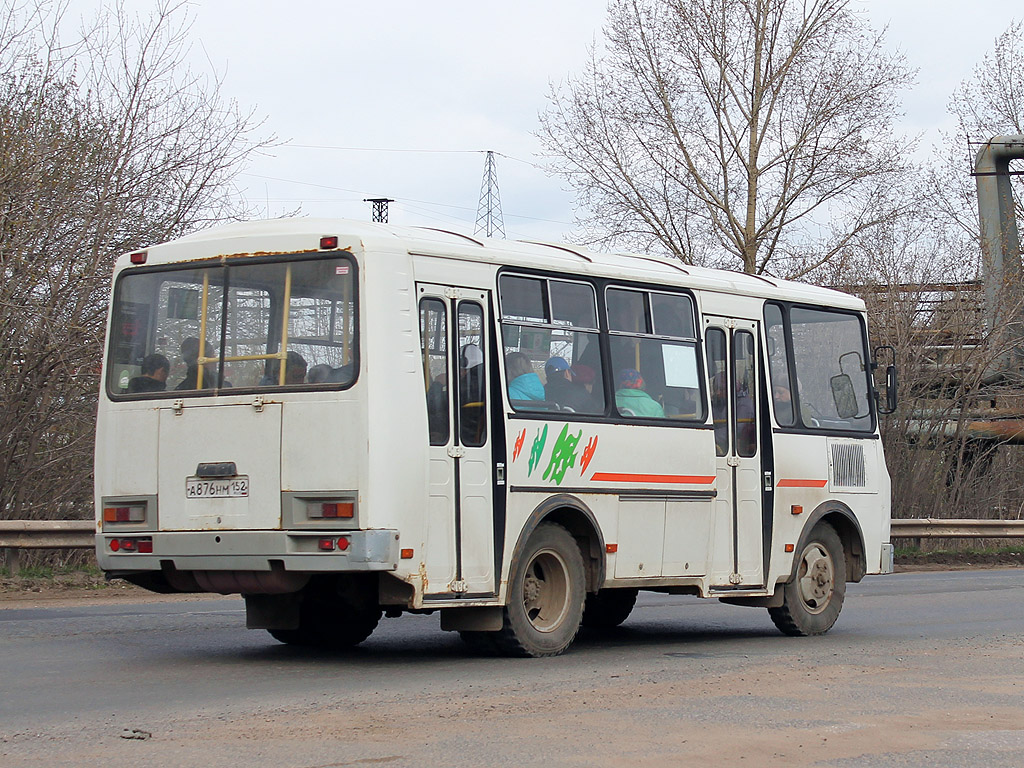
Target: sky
(401, 99)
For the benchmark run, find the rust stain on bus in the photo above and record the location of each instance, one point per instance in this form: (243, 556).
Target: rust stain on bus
(255, 254)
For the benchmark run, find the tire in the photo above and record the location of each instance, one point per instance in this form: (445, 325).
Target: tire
(608, 608)
(325, 624)
(813, 599)
(546, 593)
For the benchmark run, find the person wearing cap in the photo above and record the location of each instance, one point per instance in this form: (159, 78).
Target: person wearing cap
(630, 395)
(561, 388)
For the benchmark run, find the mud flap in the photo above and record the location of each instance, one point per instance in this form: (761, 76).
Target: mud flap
(272, 611)
(488, 619)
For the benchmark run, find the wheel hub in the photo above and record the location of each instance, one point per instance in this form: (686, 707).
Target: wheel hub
(817, 578)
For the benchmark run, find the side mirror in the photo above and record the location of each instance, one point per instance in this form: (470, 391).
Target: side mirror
(844, 396)
(891, 383)
(890, 390)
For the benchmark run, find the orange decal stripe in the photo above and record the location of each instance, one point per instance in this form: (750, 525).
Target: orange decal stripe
(791, 483)
(625, 477)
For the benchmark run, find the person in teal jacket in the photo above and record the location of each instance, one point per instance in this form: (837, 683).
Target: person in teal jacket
(630, 396)
(523, 381)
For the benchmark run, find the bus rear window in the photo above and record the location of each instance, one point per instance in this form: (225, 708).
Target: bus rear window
(248, 325)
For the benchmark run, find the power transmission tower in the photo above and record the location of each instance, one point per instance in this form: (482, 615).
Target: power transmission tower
(488, 213)
(380, 208)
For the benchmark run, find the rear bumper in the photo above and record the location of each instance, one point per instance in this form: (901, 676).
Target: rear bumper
(296, 551)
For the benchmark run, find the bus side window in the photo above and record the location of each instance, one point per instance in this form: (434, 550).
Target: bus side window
(472, 375)
(778, 365)
(718, 379)
(550, 339)
(434, 349)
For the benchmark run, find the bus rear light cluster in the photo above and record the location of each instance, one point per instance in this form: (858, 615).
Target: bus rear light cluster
(333, 509)
(329, 545)
(135, 514)
(143, 546)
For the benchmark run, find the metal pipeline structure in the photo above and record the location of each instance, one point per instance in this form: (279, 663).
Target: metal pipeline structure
(1001, 254)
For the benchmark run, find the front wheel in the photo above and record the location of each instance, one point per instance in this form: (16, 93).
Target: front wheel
(813, 599)
(546, 592)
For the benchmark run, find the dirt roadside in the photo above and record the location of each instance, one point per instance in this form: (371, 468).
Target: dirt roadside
(80, 588)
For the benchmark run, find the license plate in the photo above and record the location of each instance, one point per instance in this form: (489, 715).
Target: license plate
(217, 488)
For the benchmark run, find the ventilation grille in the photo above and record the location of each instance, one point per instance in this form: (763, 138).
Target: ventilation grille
(848, 465)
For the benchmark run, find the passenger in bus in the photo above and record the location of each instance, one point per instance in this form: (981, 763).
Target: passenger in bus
(437, 409)
(586, 377)
(294, 371)
(190, 356)
(631, 399)
(343, 374)
(720, 411)
(153, 378)
(561, 388)
(523, 382)
(471, 372)
(318, 374)
(471, 394)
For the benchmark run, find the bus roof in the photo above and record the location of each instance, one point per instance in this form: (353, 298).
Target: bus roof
(293, 235)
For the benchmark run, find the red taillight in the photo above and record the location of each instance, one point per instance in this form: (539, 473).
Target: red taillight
(143, 546)
(342, 543)
(326, 545)
(327, 243)
(139, 258)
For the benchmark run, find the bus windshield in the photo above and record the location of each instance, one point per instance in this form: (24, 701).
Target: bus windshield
(248, 325)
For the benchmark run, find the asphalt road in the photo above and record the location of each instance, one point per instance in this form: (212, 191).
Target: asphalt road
(922, 669)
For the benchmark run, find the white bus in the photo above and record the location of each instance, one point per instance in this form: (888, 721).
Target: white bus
(339, 420)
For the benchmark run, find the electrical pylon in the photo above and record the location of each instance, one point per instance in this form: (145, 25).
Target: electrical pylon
(380, 208)
(488, 213)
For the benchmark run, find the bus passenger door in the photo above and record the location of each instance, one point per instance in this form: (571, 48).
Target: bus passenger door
(454, 328)
(733, 376)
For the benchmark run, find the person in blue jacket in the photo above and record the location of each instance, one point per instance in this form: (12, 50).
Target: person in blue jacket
(630, 397)
(523, 381)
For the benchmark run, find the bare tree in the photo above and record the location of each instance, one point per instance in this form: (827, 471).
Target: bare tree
(761, 126)
(108, 143)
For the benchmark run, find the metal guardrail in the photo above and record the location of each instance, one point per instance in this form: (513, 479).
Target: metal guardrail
(16, 535)
(931, 528)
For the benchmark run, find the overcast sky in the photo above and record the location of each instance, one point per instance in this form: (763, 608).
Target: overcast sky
(401, 98)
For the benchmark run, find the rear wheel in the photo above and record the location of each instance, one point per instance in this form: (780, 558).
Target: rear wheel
(546, 592)
(608, 608)
(812, 600)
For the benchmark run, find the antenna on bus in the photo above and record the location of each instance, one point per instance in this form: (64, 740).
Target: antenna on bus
(488, 213)
(380, 208)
